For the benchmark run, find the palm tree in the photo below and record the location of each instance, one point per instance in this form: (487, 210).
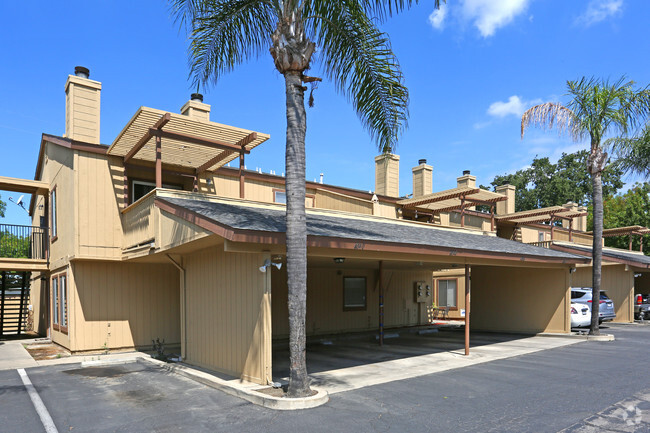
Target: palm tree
(353, 53)
(597, 109)
(633, 154)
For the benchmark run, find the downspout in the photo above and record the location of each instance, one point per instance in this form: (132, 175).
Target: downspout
(182, 306)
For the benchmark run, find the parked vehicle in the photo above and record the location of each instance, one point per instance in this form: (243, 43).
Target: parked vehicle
(642, 307)
(580, 315)
(582, 295)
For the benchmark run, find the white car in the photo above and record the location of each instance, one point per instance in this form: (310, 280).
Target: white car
(580, 315)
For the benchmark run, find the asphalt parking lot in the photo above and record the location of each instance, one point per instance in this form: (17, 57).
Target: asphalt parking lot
(543, 391)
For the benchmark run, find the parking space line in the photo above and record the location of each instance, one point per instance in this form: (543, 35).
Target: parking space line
(46, 419)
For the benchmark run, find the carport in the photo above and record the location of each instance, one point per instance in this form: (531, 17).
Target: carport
(366, 274)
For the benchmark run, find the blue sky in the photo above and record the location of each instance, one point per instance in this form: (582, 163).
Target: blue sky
(471, 69)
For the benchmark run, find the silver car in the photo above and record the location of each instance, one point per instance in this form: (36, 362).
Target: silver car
(582, 295)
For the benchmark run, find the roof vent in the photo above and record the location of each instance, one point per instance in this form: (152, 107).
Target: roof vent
(465, 172)
(82, 72)
(422, 161)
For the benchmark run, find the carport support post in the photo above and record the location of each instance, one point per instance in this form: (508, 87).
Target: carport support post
(468, 280)
(158, 161)
(381, 303)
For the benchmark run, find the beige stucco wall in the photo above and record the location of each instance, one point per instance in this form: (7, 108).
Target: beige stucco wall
(520, 299)
(325, 312)
(122, 305)
(228, 305)
(617, 282)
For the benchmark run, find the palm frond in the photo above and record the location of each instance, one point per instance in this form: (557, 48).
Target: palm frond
(382, 9)
(224, 34)
(633, 153)
(552, 115)
(358, 57)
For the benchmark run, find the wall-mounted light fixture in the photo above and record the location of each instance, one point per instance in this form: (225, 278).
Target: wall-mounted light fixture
(268, 263)
(572, 270)
(339, 260)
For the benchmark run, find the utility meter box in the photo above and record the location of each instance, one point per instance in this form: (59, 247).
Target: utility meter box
(422, 291)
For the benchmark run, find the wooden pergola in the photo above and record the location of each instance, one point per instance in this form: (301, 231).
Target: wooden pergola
(453, 199)
(180, 141)
(627, 231)
(548, 214)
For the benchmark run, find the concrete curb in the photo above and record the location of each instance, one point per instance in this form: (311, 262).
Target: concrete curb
(602, 337)
(278, 403)
(107, 362)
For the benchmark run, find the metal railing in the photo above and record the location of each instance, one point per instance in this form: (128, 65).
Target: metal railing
(23, 242)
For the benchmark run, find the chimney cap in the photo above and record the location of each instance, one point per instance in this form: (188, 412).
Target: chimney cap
(196, 97)
(81, 71)
(422, 161)
(466, 172)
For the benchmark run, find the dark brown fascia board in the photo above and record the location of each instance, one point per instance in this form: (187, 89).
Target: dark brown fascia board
(570, 250)
(251, 236)
(197, 140)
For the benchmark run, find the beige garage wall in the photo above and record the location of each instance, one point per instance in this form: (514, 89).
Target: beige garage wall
(123, 305)
(228, 325)
(617, 282)
(325, 313)
(520, 299)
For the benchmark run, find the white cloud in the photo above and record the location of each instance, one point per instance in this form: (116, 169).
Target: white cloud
(490, 15)
(514, 106)
(600, 10)
(437, 17)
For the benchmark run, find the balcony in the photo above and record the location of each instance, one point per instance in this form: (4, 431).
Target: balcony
(23, 248)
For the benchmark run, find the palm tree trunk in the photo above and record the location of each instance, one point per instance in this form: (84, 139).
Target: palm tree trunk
(296, 233)
(596, 180)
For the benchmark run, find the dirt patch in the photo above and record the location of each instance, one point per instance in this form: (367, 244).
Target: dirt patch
(279, 392)
(41, 352)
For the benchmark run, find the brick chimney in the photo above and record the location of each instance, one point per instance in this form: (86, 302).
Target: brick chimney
(387, 175)
(196, 109)
(508, 205)
(422, 179)
(82, 98)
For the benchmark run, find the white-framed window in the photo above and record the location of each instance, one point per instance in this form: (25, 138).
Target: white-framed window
(541, 236)
(140, 188)
(448, 293)
(55, 302)
(60, 303)
(63, 289)
(279, 196)
(354, 293)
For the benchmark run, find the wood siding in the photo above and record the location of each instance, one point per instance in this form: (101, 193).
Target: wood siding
(520, 299)
(325, 313)
(617, 283)
(123, 305)
(228, 326)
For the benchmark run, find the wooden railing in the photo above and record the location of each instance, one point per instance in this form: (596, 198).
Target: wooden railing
(23, 242)
(543, 244)
(140, 222)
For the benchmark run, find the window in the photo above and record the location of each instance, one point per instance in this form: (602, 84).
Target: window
(354, 293)
(540, 236)
(53, 213)
(280, 196)
(55, 303)
(447, 293)
(60, 303)
(140, 188)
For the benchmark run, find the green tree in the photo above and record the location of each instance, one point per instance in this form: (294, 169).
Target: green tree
(353, 53)
(596, 110)
(13, 246)
(629, 209)
(3, 208)
(544, 184)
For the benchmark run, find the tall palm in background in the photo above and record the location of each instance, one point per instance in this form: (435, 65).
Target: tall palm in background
(597, 109)
(352, 52)
(633, 153)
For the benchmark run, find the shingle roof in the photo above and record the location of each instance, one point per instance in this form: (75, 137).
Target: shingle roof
(614, 253)
(266, 219)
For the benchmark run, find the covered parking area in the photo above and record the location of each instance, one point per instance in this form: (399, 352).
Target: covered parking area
(364, 274)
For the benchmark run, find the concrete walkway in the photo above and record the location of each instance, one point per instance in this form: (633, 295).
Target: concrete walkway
(346, 379)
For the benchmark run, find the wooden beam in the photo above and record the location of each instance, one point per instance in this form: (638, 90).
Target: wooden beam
(381, 302)
(204, 167)
(492, 217)
(217, 144)
(147, 136)
(158, 162)
(467, 308)
(242, 176)
(462, 211)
